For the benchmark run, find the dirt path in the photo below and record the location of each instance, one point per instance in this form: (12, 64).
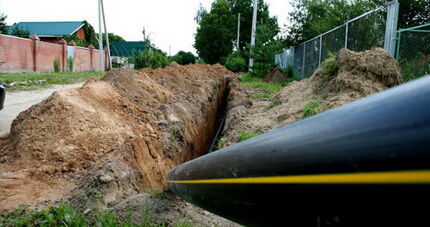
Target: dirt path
(16, 102)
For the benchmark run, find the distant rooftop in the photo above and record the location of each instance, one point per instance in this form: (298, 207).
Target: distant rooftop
(127, 48)
(50, 29)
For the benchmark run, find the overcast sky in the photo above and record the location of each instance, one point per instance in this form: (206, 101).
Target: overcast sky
(169, 22)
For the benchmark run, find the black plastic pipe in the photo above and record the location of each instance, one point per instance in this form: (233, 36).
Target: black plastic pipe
(2, 96)
(366, 163)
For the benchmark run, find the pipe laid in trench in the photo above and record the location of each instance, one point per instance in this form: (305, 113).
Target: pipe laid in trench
(363, 164)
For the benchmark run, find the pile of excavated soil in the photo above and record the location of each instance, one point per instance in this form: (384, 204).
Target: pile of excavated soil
(112, 138)
(355, 76)
(275, 76)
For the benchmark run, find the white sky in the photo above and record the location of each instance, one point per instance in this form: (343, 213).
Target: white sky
(169, 22)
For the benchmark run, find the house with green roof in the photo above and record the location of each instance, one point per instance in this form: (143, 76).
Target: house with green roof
(52, 31)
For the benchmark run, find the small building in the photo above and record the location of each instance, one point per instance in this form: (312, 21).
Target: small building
(53, 31)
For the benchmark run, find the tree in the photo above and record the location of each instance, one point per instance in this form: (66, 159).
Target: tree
(313, 17)
(3, 28)
(19, 32)
(184, 58)
(245, 8)
(215, 32)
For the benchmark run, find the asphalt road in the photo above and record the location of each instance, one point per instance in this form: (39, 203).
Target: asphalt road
(16, 102)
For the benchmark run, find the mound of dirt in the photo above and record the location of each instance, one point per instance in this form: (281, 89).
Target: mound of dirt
(275, 76)
(353, 76)
(116, 136)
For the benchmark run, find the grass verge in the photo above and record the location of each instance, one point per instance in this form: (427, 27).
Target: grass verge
(244, 135)
(65, 215)
(252, 82)
(33, 81)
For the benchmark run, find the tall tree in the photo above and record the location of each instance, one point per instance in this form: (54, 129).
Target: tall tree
(245, 8)
(215, 32)
(3, 29)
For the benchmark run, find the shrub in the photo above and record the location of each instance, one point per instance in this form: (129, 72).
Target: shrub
(151, 58)
(312, 108)
(57, 65)
(70, 64)
(184, 58)
(329, 66)
(235, 63)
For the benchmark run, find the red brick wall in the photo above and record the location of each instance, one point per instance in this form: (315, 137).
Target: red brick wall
(46, 54)
(18, 55)
(82, 59)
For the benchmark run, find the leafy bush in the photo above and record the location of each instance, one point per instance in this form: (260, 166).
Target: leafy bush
(57, 65)
(70, 64)
(151, 58)
(329, 66)
(312, 108)
(184, 58)
(235, 62)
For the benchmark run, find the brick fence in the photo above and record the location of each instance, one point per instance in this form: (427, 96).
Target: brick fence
(32, 55)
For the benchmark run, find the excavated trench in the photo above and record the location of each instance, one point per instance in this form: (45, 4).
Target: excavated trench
(117, 136)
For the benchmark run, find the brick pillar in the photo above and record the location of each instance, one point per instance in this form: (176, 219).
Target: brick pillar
(64, 55)
(36, 41)
(91, 47)
(72, 43)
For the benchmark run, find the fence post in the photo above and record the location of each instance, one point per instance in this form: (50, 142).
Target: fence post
(91, 47)
(391, 27)
(319, 63)
(64, 55)
(346, 34)
(36, 41)
(304, 60)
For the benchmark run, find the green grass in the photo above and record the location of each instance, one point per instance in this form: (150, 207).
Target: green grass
(312, 108)
(65, 215)
(244, 135)
(32, 81)
(329, 66)
(252, 82)
(260, 96)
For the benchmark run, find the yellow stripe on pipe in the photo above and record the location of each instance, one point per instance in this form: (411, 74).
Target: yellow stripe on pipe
(397, 177)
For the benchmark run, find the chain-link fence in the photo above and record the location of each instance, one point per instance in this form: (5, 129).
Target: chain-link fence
(375, 28)
(413, 51)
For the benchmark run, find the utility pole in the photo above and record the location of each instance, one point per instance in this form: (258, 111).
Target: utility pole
(107, 36)
(254, 25)
(101, 63)
(238, 32)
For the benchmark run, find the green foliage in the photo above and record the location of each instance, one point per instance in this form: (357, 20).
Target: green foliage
(415, 67)
(65, 215)
(310, 18)
(260, 96)
(70, 64)
(184, 58)
(244, 135)
(245, 8)
(57, 64)
(215, 32)
(90, 37)
(275, 102)
(19, 32)
(266, 47)
(329, 66)
(235, 62)
(151, 58)
(221, 143)
(312, 108)
(3, 28)
(248, 80)
(29, 81)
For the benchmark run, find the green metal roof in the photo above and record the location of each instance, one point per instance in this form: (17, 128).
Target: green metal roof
(126, 48)
(49, 29)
